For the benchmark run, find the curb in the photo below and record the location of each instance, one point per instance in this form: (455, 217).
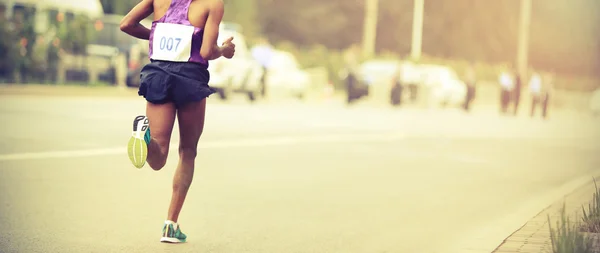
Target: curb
(534, 235)
(491, 238)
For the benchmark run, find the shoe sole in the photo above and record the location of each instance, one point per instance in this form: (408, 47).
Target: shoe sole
(137, 149)
(171, 240)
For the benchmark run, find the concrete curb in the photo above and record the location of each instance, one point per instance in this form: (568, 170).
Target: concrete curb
(534, 236)
(491, 237)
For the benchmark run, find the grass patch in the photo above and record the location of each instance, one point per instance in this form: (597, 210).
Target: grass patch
(566, 237)
(591, 217)
(577, 237)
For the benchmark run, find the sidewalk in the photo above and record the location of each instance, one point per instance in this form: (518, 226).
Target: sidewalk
(534, 236)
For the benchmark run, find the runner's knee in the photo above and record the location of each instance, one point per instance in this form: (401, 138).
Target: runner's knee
(157, 162)
(158, 159)
(157, 165)
(187, 152)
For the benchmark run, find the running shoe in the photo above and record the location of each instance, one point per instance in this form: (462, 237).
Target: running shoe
(172, 233)
(137, 148)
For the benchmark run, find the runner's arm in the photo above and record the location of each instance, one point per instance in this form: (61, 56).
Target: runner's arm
(216, 53)
(130, 24)
(210, 50)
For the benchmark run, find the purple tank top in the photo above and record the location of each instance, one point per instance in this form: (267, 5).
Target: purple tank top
(174, 38)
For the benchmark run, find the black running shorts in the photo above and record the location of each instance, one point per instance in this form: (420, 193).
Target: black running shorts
(177, 82)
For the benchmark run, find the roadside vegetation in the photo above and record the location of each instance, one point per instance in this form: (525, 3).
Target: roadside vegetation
(578, 235)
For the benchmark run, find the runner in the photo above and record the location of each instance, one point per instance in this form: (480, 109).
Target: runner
(183, 38)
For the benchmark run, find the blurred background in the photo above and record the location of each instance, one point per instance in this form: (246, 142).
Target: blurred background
(339, 126)
(311, 47)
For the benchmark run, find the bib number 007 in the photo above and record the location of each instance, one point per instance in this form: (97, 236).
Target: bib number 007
(172, 42)
(169, 43)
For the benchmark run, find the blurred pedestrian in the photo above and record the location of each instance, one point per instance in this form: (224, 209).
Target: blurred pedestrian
(506, 87)
(471, 83)
(40, 59)
(547, 93)
(263, 52)
(8, 51)
(351, 82)
(351, 77)
(397, 88)
(516, 95)
(535, 89)
(541, 87)
(595, 102)
(182, 40)
(54, 53)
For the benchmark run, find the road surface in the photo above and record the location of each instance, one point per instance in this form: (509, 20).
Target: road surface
(284, 177)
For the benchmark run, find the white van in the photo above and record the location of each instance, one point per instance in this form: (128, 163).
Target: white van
(240, 74)
(108, 42)
(285, 76)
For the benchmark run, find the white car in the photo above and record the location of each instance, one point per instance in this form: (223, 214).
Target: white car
(410, 74)
(137, 58)
(240, 74)
(379, 71)
(446, 88)
(285, 77)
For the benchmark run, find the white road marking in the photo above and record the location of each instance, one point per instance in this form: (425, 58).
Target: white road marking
(262, 142)
(255, 142)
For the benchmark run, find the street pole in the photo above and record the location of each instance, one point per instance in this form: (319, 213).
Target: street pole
(370, 28)
(523, 40)
(417, 30)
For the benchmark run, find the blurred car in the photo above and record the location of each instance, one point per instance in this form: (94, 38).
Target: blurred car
(368, 74)
(108, 41)
(412, 78)
(410, 74)
(240, 74)
(137, 59)
(284, 75)
(446, 88)
(595, 102)
(379, 72)
(389, 72)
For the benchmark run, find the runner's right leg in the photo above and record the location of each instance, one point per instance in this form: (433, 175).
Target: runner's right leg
(152, 146)
(162, 118)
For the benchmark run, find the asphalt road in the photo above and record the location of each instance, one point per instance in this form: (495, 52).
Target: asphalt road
(285, 177)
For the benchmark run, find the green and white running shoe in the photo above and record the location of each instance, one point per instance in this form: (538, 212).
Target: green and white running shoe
(172, 233)
(137, 148)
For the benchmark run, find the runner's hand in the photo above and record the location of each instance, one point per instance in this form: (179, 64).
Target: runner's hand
(228, 48)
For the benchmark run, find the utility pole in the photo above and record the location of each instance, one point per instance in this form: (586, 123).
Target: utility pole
(417, 30)
(523, 40)
(370, 28)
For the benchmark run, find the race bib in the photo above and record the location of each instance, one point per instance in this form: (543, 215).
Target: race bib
(172, 42)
